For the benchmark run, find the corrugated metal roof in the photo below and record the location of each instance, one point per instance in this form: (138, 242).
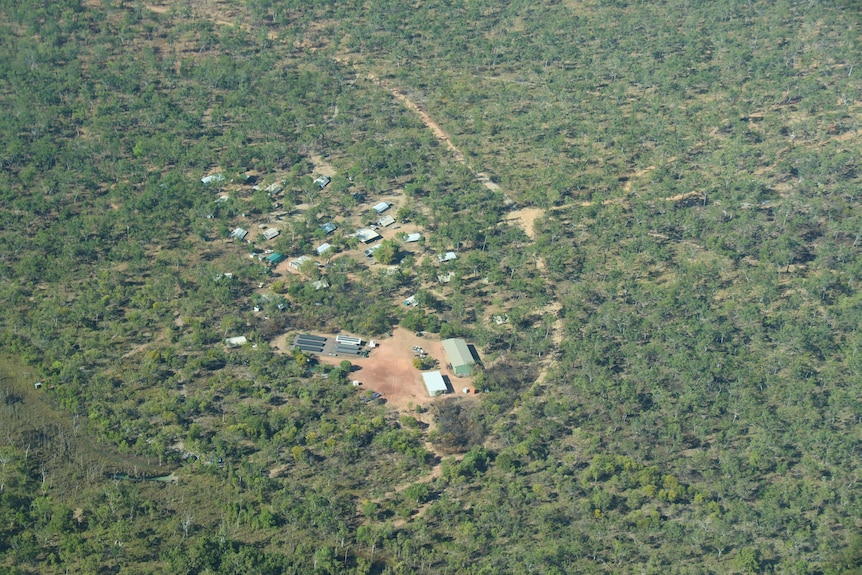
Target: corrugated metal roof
(366, 235)
(459, 355)
(235, 341)
(434, 383)
(382, 207)
(219, 177)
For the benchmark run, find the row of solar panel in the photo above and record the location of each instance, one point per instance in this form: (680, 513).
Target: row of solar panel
(309, 347)
(352, 349)
(311, 337)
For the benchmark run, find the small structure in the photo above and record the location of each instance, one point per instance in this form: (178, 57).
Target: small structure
(233, 342)
(297, 263)
(323, 248)
(444, 278)
(38, 385)
(410, 238)
(369, 253)
(271, 233)
(328, 227)
(459, 356)
(382, 207)
(323, 181)
(348, 339)
(274, 189)
(434, 383)
(223, 199)
(447, 257)
(320, 284)
(239, 234)
(275, 258)
(411, 301)
(366, 236)
(213, 179)
(385, 221)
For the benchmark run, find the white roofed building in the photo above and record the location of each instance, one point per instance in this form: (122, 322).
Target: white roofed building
(382, 207)
(434, 383)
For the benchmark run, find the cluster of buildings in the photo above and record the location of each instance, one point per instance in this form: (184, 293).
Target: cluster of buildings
(459, 357)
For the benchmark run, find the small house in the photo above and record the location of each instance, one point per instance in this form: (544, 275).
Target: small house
(323, 248)
(328, 227)
(213, 179)
(232, 342)
(239, 234)
(382, 207)
(320, 284)
(323, 181)
(274, 188)
(275, 258)
(271, 233)
(366, 236)
(370, 251)
(411, 238)
(447, 257)
(297, 263)
(385, 221)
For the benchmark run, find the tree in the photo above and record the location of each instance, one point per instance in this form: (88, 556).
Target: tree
(387, 253)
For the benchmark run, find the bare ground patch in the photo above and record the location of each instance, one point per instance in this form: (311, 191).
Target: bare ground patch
(526, 218)
(389, 368)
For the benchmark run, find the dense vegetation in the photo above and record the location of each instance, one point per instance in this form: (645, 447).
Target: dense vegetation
(674, 388)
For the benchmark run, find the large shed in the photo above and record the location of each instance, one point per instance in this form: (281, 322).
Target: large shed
(434, 383)
(459, 356)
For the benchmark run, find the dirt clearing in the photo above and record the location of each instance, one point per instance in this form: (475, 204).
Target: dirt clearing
(389, 368)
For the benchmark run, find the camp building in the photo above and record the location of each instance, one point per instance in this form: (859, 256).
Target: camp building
(459, 356)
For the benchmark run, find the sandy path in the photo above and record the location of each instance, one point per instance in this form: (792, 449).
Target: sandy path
(438, 132)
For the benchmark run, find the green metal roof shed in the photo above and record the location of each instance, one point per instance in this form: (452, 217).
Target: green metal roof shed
(459, 356)
(275, 258)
